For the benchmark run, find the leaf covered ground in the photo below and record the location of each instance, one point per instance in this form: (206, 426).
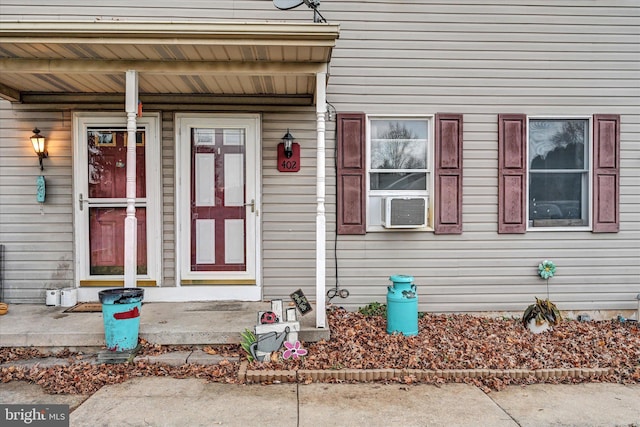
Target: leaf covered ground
(464, 341)
(360, 341)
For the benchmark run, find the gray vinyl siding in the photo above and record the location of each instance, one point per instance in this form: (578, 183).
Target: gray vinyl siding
(541, 57)
(38, 239)
(482, 60)
(289, 207)
(168, 199)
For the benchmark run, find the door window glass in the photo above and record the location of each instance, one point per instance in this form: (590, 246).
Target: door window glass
(106, 240)
(107, 179)
(107, 166)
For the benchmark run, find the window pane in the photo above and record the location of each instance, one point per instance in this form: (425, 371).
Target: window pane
(399, 144)
(557, 144)
(555, 196)
(399, 181)
(106, 239)
(107, 166)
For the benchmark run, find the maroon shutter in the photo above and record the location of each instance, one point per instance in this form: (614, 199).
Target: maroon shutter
(606, 173)
(512, 173)
(448, 174)
(351, 181)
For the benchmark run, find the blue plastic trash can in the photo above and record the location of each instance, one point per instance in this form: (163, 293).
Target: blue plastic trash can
(121, 315)
(402, 306)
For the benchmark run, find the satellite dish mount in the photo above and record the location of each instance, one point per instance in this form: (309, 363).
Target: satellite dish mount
(292, 4)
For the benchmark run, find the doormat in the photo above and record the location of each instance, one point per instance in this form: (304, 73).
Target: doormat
(85, 307)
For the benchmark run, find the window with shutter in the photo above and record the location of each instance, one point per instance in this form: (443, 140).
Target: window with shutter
(385, 177)
(545, 171)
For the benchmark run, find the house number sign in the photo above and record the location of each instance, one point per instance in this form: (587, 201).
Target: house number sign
(289, 164)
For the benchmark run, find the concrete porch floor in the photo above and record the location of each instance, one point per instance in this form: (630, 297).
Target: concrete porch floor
(166, 323)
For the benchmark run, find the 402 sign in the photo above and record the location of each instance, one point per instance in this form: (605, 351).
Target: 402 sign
(289, 164)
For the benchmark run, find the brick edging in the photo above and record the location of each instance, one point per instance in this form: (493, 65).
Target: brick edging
(365, 375)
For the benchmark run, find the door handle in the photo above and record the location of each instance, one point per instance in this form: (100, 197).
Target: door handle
(252, 204)
(82, 201)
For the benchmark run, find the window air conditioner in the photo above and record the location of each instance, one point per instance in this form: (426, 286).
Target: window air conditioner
(405, 212)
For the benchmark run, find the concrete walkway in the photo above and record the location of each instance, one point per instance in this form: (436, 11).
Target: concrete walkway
(161, 401)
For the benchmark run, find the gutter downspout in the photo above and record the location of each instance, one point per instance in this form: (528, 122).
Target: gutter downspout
(321, 107)
(131, 222)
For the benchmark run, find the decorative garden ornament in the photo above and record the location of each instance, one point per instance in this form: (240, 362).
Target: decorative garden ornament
(546, 269)
(544, 314)
(294, 350)
(541, 316)
(267, 343)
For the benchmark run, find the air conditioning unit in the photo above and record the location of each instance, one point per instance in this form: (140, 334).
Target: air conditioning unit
(405, 212)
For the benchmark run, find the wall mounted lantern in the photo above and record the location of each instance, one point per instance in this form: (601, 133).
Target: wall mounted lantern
(287, 140)
(39, 146)
(288, 154)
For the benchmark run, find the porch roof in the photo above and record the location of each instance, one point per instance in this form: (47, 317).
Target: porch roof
(231, 61)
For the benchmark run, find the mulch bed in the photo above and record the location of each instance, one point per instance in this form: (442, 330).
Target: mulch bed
(464, 341)
(358, 341)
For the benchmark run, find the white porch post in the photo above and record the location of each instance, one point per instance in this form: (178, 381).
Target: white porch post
(130, 222)
(321, 107)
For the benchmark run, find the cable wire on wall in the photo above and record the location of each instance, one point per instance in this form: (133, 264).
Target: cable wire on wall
(335, 291)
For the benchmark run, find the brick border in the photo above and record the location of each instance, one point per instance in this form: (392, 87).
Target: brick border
(366, 375)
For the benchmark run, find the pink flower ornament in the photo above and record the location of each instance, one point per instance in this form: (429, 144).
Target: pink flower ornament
(294, 350)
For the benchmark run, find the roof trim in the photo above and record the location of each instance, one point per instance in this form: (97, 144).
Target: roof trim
(178, 32)
(81, 66)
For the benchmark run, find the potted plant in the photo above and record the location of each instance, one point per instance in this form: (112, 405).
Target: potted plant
(543, 314)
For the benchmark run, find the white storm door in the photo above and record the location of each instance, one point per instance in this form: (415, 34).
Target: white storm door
(100, 156)
(217, 201)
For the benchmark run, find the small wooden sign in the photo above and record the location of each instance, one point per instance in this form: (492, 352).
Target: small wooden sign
(302, 303)
(278, 309)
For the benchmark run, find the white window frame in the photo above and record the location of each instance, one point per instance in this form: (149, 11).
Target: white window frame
(589, 179)
(376, 226)
(151, 122)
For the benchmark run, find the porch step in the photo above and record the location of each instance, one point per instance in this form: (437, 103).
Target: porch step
(171, 323)
(107, 356)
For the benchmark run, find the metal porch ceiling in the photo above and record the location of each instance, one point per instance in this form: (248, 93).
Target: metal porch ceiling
(40, 59)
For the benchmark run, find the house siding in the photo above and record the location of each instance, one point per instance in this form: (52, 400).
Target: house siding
(483, 60)
(420, 57)
(38, 238)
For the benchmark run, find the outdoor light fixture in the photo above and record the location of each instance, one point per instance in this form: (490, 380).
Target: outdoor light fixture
(287, 140)
(38, 142)
(288, 154)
